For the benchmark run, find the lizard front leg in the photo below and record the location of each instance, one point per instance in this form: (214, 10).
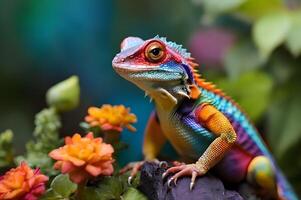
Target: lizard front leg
(154, 139)
(218, 124)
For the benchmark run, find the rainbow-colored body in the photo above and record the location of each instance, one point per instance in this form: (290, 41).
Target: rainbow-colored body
(233, 167)
(202, 124)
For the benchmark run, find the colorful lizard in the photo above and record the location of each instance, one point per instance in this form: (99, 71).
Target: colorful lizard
(205, 127)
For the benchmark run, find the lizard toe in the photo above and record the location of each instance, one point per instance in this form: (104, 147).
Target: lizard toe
(172, 170)
(192, 182)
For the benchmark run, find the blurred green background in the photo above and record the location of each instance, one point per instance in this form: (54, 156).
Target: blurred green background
(250, 48)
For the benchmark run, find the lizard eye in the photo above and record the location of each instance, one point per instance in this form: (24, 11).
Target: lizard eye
(154, 51)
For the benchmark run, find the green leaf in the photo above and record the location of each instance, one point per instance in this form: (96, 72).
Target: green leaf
(51, 195)
(62, 185)
(39, 159)
(284, 123)
(88, 128)
(284, 131)
(282, 67)
(46, 138)
(6, 137)
(134, 194)
(217, 6)
(64, 96)
(252, 91)
(246, 9)
(107, 189)
(92, 193)
(293, 40)
(6, 148)
(253, 9)
(270, 31)
(112, 187)
(46, 132)
(241, 58)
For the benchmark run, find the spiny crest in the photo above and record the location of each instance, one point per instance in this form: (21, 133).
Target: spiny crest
(176, 47)
(200, 81)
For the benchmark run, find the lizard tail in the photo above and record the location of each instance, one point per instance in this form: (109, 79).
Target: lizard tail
(285, 190)
(263, 172)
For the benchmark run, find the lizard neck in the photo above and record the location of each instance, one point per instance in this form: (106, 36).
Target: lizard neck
(167, 100)
(184, 106)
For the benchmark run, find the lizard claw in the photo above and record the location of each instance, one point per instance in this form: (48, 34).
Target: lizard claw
(164, 175)
(191, 186)
(130, 179)
(134, 167)
(193, 177)
(169, 182)
(175, 181)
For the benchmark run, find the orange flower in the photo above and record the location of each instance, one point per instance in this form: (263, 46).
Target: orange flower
(110, 117)
(22, 183)
(84, 157)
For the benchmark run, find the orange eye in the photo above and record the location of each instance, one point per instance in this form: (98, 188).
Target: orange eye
(155, 51)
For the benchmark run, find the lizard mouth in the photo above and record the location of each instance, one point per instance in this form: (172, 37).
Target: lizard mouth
(120, 65)
(123, 67)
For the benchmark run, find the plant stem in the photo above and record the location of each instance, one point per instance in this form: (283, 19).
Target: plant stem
(112, 137)
(80, 190)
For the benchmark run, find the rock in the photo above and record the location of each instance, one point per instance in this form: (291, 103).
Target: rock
(206, 187)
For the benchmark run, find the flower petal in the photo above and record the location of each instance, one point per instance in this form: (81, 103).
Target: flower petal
(68, 140)
(94, 171)
(84, 157)
(90, 135)
(20, 182)
(58, 165)
(76, 161)
(78, 176)
(76, 137)
(56, 154)
(108, 171)
(106, 149)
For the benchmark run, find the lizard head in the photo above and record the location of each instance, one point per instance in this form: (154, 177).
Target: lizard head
(161, 68)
